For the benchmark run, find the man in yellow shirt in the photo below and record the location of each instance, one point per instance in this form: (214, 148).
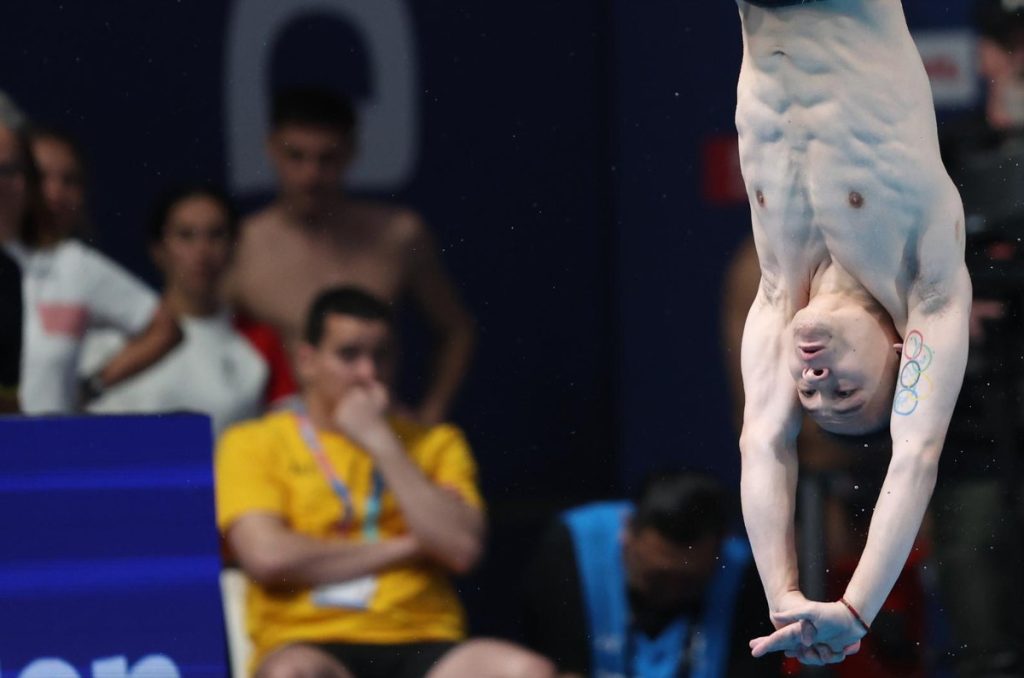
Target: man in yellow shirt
(349, 523)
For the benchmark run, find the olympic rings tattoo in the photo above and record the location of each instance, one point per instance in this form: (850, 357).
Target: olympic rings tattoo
(917, 358)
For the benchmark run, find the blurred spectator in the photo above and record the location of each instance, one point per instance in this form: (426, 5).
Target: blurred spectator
(316, 235)
(978, 499)
(62, 175)
(349, 522)
(68, 288)
(12, 189)
(215, 369)
(10, 321)
(655, 589)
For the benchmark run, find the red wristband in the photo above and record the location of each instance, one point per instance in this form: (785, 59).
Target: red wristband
(856, 616)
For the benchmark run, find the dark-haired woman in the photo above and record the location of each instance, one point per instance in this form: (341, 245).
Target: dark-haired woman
(69, 288)
(215, 370)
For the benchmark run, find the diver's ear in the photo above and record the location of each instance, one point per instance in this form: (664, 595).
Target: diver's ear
(898, 347)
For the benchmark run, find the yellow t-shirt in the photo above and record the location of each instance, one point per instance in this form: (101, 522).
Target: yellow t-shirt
(265, 466)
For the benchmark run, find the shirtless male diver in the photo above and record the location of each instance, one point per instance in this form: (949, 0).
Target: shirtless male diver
(861, 317)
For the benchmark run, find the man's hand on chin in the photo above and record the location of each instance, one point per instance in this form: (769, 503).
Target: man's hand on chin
(360, 415)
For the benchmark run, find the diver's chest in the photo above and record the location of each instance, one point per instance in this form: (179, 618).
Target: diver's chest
(838, 196)
(854, 223)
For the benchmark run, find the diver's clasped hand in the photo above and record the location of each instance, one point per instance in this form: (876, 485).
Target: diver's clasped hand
(815, 633)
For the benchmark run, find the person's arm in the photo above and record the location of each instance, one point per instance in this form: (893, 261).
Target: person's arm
(273, 555)
(435, 294)
(145, 348)
(11, 318)
(931, 373)
(119, 300)
(9, 402)
(739, 289)
(771, 422)
(448, 529)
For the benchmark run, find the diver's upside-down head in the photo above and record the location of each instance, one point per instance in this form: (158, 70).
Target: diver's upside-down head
(844, 356)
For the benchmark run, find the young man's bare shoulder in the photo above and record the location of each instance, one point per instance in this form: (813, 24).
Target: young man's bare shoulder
(267, 217)
(407, 226)
(939, 269)
(398, 224)
(266, 224)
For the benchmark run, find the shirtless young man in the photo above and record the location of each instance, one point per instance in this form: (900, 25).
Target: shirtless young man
(316, 236)
(859, 233)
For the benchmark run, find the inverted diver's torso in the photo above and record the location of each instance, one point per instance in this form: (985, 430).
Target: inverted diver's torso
(838, 147)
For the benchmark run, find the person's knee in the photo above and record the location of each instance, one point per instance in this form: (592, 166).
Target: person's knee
(522, 663)
(498, 659)
(299, 661)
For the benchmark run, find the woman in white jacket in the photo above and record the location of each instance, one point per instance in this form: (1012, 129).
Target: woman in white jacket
(69, 287)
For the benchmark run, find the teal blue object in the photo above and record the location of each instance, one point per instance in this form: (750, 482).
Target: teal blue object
(616, 650)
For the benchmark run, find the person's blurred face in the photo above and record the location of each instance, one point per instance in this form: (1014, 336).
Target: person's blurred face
(62, 182)
(844, 364)
(1002, 67)
(13, 185)
(665, 575)
(353, 352)
(309, 161)
(196, 247)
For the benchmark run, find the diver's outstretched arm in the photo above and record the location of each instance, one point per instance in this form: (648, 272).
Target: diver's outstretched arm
(931, 372)
(771, 421)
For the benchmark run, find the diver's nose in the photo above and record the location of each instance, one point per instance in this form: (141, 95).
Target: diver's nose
(816, 374)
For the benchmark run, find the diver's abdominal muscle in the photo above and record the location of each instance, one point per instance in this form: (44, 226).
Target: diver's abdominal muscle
(837, 147)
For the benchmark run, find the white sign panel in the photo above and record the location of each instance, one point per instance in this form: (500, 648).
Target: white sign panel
(949, 58)
(388, 121)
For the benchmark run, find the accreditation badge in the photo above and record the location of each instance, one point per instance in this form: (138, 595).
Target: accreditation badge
(355, 594)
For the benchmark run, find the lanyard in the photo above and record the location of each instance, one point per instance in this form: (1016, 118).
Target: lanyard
(371, 512)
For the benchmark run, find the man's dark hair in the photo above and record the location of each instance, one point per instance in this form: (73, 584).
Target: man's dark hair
(313, 107)
(170, 199)
(350, 301)
(682, 506)
(1000, 20)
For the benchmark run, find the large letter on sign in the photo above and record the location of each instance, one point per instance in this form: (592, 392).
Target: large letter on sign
(388, 136)
(49, 668)
(152, 666)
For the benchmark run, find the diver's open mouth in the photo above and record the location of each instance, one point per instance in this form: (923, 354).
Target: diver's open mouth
(809, 352)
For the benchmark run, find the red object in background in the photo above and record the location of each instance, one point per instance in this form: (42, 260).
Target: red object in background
(942, 67)
(906, 603)
(721, 179)
(1001, 251)
(281, 382)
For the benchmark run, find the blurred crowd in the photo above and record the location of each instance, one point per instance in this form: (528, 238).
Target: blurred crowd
(344, 512)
